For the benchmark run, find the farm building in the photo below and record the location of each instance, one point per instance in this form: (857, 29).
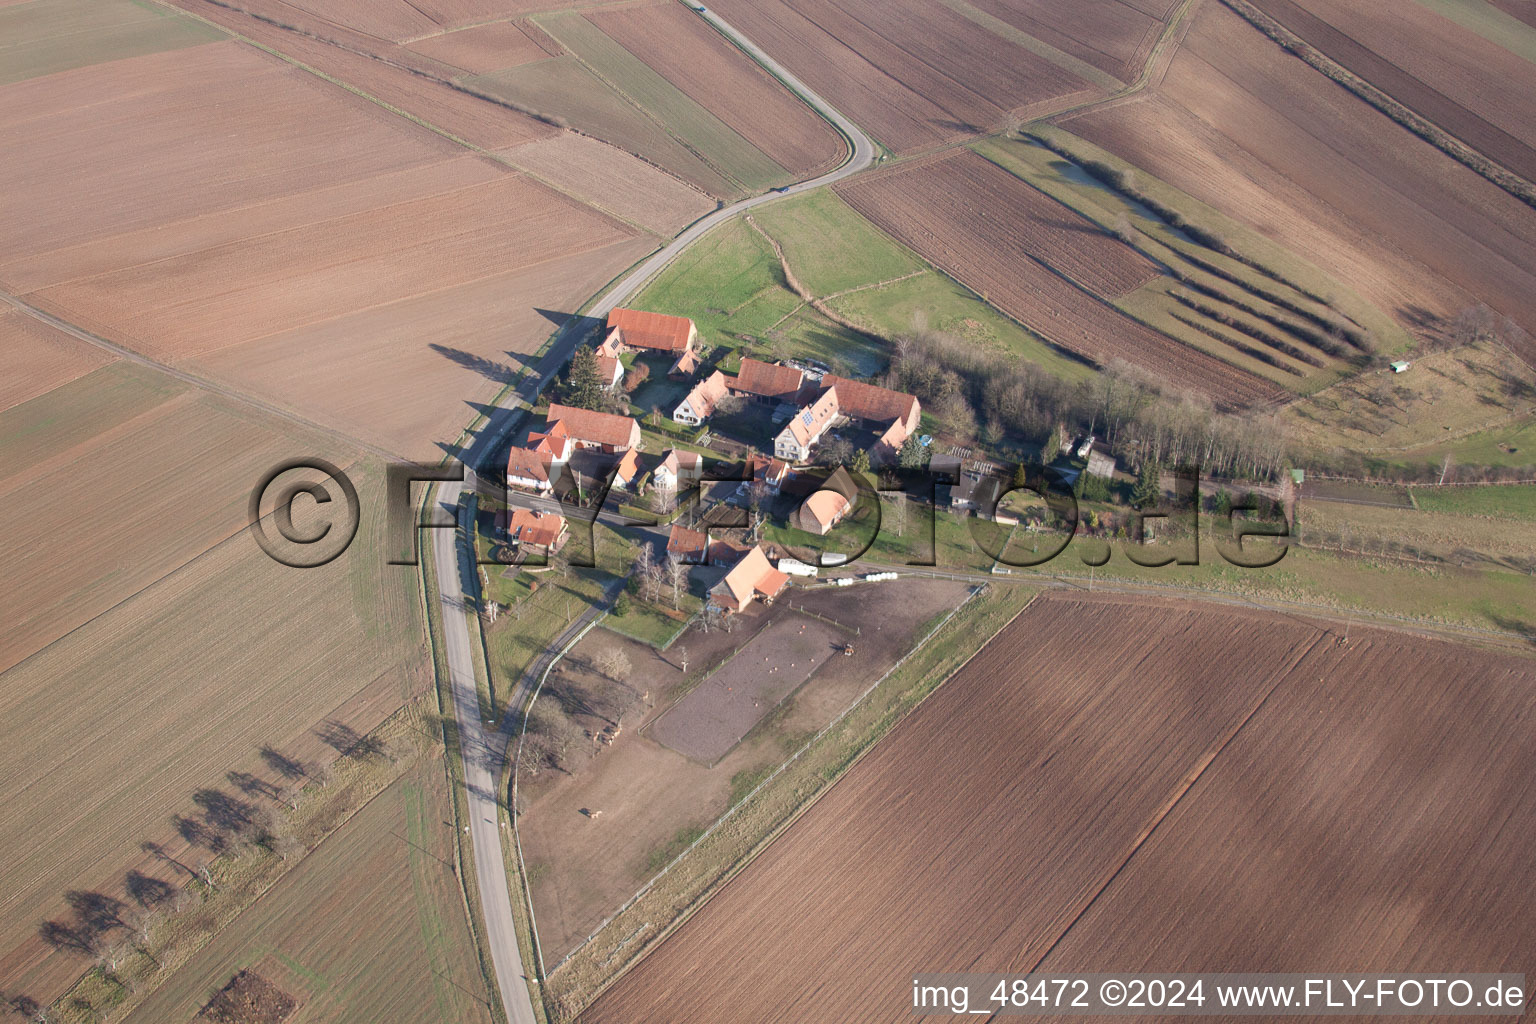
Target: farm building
(1400, 366)
(1101, 464)
(699, 404)
(631, 329)
(678, 468)
(769, 383)
(806, 430)
(536, 533)
(749, 579)
(822, 511)
(871, 404)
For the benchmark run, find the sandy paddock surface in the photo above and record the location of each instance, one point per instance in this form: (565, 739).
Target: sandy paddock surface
(1470, 86)
(39, 358)
(613, 180)
(717, 713)
(686, 51)
(1274, 769)
(646, 792)
(991, 231)
(911, 73)
(1262, 137)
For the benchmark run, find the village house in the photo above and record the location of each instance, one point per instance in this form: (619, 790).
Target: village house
(700, 403)
(768, 472)
(688, 545)
(631, 330)
(806, 429)
(530, 470)
(537, 464)
(536, 533)
(583, 428)
(610, 369)
(678, 469)
(627, 470)
(752, 578)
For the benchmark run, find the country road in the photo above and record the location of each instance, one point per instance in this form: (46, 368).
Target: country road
(484, 749)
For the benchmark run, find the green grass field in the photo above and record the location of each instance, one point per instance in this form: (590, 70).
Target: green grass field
(731, 284)
(47, 36)
(1498, 501)
(830, 246)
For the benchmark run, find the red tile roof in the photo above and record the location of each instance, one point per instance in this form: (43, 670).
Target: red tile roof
(809, 423)
(610, 369)
(540, 529)
(751, 576)
(871, 402)
(527, 464)
(706, 394)
(825, 508)
(628, 466)
(687, 544)
(594, 427)
(767, 380)
(652, 330)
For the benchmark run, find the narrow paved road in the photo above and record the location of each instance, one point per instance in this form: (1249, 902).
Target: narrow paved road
(484, 749)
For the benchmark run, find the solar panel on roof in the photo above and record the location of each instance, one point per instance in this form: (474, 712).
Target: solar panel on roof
(805, 417)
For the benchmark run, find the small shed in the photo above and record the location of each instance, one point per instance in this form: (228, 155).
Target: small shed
(1400, 366)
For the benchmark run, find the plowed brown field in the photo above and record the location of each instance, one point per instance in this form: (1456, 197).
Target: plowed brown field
(683, 49)
(39, 358)
(1115, 781)
(501, 44)
(912, 73)
(224, 225)
(1256, 133)
(1011, 243)
(1112, 35)
(1472, 87)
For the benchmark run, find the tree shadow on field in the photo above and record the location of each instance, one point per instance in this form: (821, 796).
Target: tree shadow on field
(1429, 325)
(501, 373)
(963, 127)
(1081, 227)
(347, 741)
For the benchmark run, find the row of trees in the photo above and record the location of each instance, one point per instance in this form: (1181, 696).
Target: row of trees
(993, 398)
